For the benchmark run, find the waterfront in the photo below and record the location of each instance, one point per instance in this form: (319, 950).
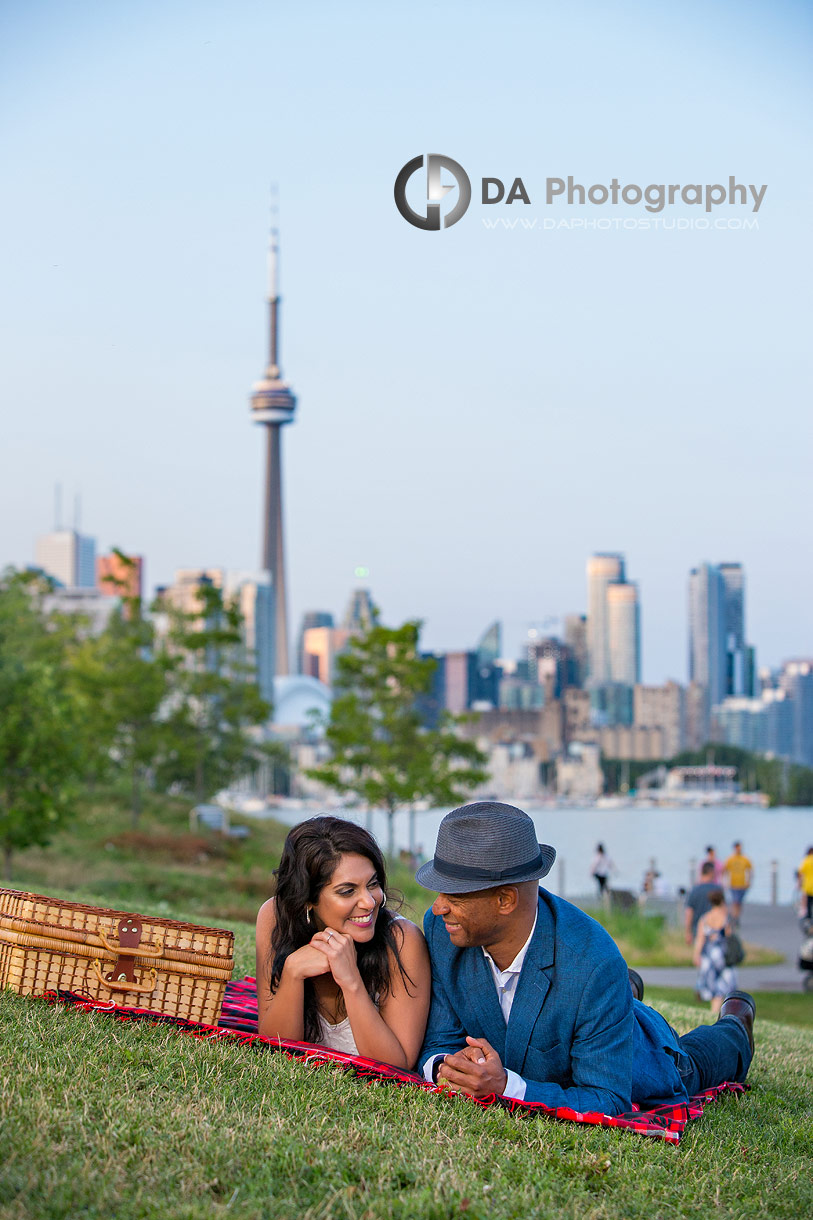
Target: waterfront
(632, 837)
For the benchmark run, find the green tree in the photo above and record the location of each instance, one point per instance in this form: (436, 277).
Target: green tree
(124, 681)
(41, 752)
(381, 750)
(214, 708)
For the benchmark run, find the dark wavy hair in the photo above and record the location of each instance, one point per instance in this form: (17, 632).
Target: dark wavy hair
(309, 858)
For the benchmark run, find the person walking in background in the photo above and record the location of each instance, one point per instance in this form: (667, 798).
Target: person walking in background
(698, 901)
(804, 875)
(739, 871)
(600, 868)
(717, 865)
(715, 980)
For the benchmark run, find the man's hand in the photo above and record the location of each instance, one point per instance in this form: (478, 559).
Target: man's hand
(476, 1070)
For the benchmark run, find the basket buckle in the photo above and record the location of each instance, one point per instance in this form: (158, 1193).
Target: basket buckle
(129, 938)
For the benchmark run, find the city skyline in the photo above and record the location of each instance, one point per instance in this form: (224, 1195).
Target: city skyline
(480, 409)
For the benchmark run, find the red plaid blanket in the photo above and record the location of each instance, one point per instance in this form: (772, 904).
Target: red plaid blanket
(238, 1021)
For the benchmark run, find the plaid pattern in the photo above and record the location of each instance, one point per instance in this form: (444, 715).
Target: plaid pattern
(238, 1022)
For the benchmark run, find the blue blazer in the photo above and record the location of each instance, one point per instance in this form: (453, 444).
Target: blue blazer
(574, 1029)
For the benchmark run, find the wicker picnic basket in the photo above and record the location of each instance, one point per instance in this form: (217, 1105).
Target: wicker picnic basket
(136, 960)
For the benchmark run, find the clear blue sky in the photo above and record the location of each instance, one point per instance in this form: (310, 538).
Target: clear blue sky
(478, 410)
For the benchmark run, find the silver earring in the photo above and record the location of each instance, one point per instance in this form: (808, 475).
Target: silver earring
(308, 915)
(383, 899)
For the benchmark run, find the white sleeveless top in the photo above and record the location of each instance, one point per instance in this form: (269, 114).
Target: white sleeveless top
(337, 1037)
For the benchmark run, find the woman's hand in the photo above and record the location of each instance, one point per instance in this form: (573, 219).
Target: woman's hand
(340, 952)
(307, 962)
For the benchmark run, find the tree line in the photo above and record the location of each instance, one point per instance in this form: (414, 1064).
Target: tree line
(179, 710)
(176, 711)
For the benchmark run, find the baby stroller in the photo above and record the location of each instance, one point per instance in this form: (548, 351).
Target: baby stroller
(806, 954)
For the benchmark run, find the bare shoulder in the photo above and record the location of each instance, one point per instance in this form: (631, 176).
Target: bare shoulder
(408, 936)
(267, 918)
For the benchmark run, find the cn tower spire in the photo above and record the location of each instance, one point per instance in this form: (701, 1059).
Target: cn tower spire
(273, 405)
(273, 290)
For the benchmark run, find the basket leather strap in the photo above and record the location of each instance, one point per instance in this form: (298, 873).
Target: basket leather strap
(129, 937)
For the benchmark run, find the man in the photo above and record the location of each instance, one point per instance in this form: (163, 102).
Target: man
(531, 998)
(804, 875)
(698, 904)
(739, 871)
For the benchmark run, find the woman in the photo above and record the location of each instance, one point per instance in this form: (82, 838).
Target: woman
(600, 868)
(714, 979)
(334, 965)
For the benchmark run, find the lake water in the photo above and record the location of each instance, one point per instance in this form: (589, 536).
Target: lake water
(632, 837)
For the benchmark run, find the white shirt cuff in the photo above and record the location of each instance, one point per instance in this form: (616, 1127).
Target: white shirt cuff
(515, 1087)
(429, 1065)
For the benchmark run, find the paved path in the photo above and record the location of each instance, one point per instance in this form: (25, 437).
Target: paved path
(774, 927)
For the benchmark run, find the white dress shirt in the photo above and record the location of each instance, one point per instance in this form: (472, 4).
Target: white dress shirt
(505, 983)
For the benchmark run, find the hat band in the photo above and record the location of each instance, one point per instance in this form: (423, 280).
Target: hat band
(464, 871)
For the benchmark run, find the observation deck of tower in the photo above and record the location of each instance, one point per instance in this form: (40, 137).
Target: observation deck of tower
(273, 405)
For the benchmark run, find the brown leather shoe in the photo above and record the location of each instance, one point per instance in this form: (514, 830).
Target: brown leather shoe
(742, 1005)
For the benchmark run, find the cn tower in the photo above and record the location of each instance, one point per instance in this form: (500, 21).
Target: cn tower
(273, 405)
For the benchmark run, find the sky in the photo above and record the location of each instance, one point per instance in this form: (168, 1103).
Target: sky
(479, 408)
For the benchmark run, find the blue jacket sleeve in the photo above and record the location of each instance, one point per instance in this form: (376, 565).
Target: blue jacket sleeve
(600, 1053)
(444, 1033)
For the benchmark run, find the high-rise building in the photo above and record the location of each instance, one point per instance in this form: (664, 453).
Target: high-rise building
(321, 646)
(797, 680)
(739, 657)
(273, 405)
(117, 578)
(602, 570)
(489, 646)
(719, 656)
(69, 557)
(311, 618)
(254, 595)
(707, 631)
(576, 640)
(624, 633)
(360, 611)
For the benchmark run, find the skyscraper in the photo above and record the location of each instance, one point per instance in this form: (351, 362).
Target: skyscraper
(360, 611)
(602, 569)
(719, 657)
(273, 405)
(624, 633)
(69, 557)
(739, 680)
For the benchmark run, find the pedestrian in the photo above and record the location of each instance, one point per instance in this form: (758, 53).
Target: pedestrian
(739, 871)
(711, 858)
(715, 980)
(698, 901)
(600, 869)
(804, 875)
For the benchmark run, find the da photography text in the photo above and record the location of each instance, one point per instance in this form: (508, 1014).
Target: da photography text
(419, 197)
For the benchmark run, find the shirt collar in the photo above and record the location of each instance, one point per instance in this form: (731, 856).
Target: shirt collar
(519, 960)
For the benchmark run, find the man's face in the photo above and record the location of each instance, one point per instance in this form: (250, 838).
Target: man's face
(470, 919)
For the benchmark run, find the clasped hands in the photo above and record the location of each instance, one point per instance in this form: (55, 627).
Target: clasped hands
(476, 1069)
(327, 952)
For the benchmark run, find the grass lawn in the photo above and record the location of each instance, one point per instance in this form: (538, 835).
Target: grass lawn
(104, 1120)
(647, 940)
(789, 1007)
